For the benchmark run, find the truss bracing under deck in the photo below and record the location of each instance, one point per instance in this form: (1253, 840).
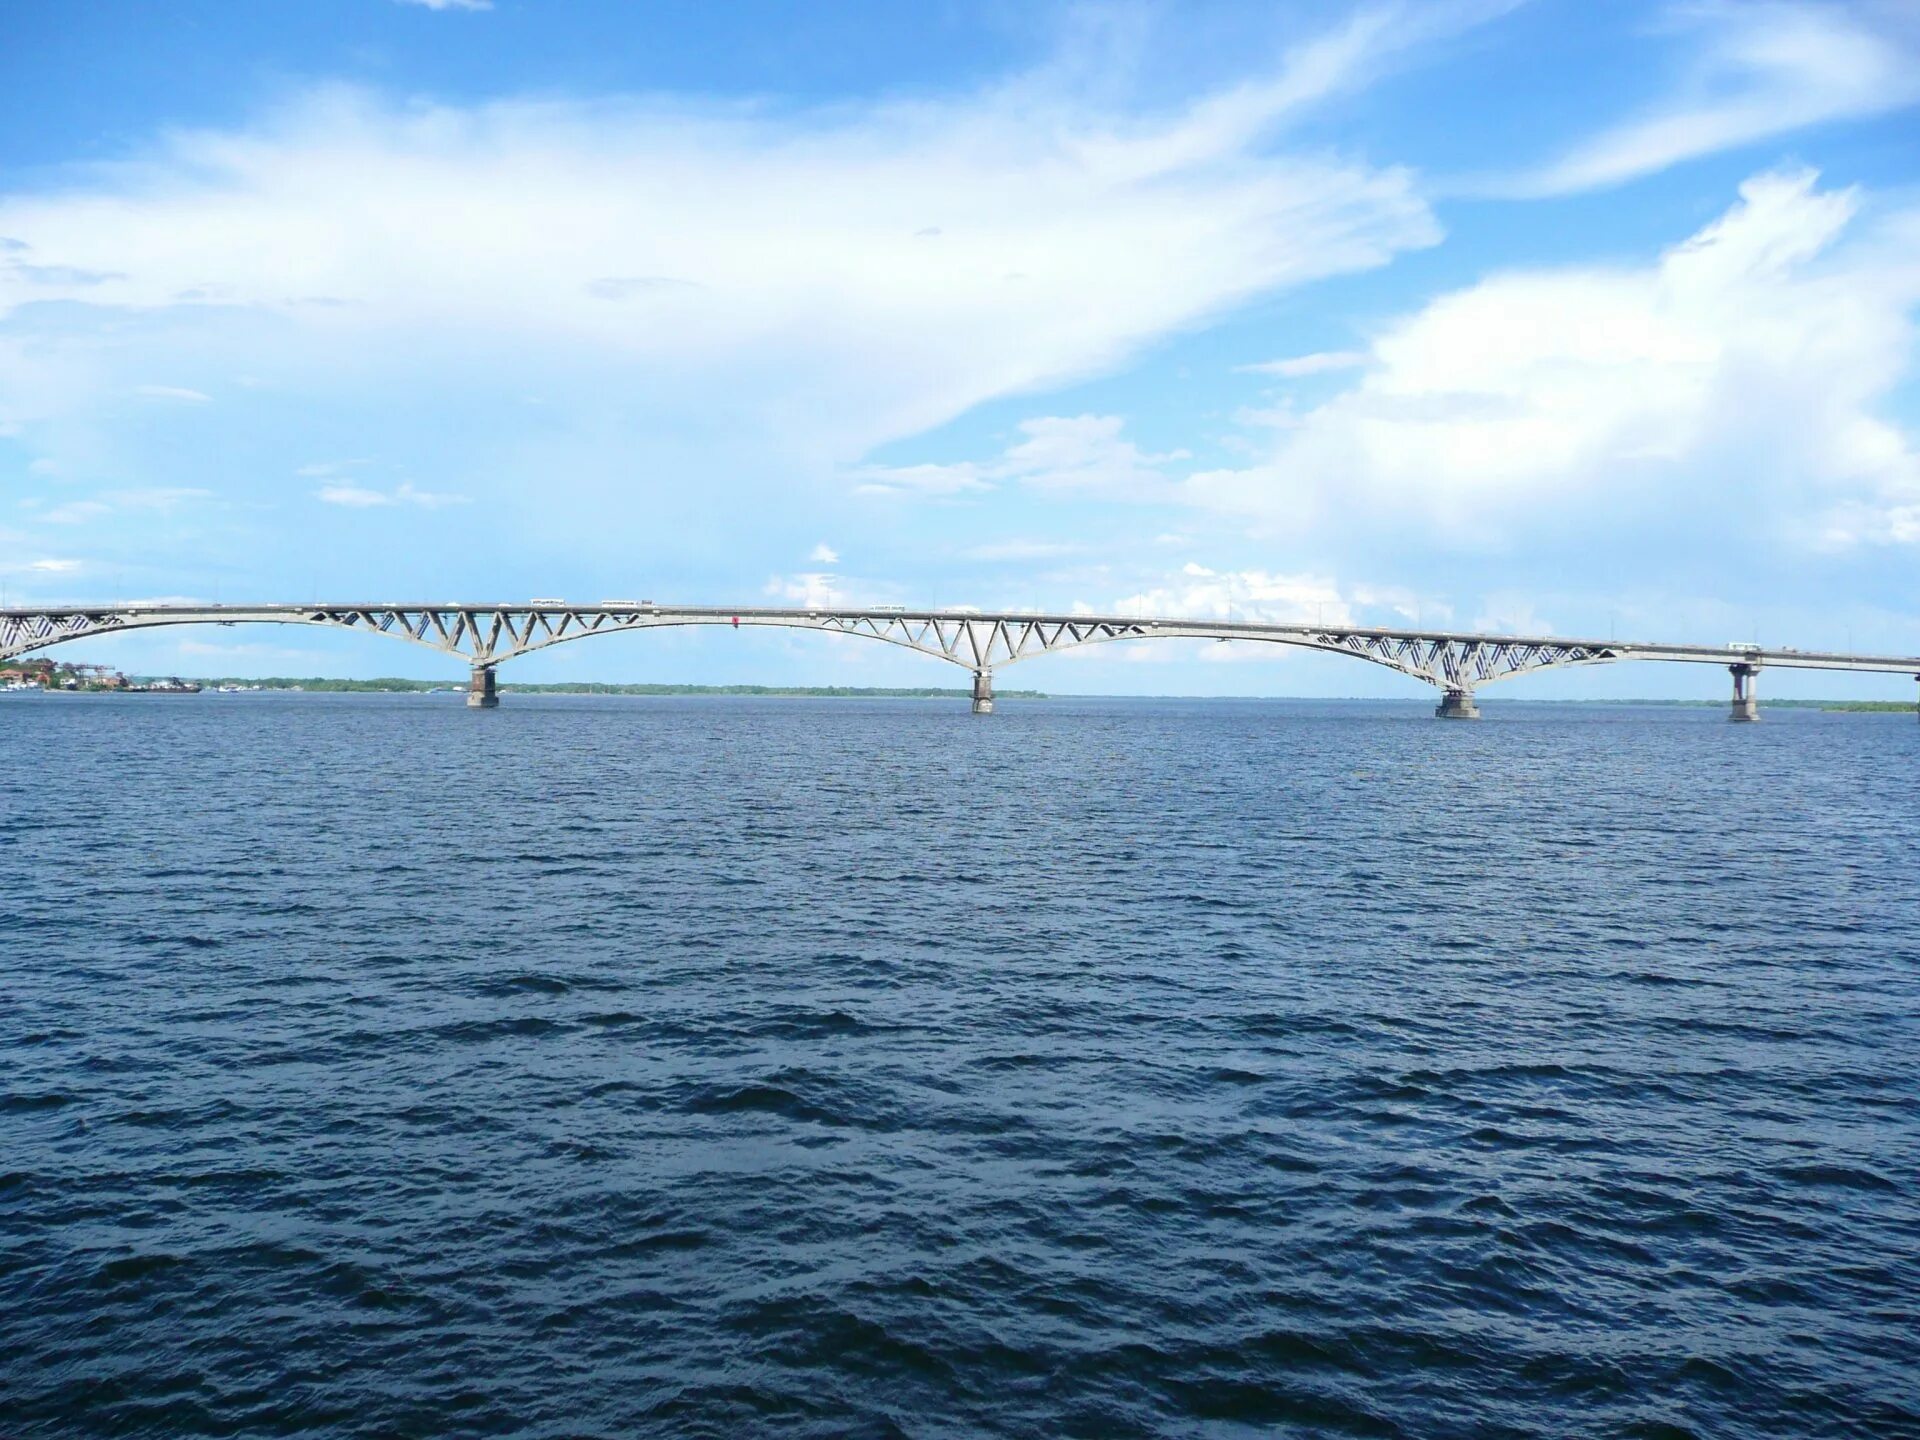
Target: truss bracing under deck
(486, 635)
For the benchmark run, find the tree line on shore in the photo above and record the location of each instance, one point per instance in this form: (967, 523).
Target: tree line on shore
(396, 685)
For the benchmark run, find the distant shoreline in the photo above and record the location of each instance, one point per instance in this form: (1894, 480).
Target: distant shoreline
(395, 685)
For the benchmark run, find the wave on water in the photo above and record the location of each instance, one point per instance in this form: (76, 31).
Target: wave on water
(869, 1068)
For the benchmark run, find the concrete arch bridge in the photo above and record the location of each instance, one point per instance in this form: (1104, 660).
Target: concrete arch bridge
(1456, 664)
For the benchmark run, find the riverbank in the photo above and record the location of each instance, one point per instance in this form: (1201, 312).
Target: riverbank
(385, 685)
(393, 685)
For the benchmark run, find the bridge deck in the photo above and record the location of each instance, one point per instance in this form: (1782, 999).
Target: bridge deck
(486, 634)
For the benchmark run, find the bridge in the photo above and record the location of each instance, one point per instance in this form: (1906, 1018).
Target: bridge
(1456, 664)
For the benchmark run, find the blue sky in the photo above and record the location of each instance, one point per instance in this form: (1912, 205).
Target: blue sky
(1553, 316)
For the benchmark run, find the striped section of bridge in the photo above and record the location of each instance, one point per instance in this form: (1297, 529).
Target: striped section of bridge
(1455, 663)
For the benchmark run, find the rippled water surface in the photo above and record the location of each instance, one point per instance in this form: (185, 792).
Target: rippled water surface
(370, 1066)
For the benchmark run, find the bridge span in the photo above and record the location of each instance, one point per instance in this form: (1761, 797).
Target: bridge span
(1455, 663)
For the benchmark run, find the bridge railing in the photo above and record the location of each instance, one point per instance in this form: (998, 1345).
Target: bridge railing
(485, 636)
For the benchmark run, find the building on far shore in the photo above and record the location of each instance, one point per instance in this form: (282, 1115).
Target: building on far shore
(57, 675)
(26, 675)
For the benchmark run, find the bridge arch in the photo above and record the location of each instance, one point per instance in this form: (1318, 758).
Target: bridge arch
(486, 636)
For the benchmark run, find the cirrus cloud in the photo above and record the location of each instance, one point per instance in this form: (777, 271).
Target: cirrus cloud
(1084, 456)
(361, 497)
(1765, 67)
(747, 264)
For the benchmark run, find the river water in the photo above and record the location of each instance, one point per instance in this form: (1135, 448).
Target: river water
(371, 1066)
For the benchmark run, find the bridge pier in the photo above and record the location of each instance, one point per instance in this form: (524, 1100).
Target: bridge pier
(482, 694)
(983, 692)
(1746, 692)
(1457, 704)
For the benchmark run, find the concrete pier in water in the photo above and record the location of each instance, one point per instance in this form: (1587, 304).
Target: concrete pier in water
(1457, 704)
(482, 691)
(983, 692)
(1746, 692)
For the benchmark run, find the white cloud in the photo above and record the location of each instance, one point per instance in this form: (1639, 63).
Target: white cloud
(1730, 385)
(919, 479)
(1196, 592)
(1765, 69)
(818, 590)
(1019, 550)
(824, 554)
(626, 287)
(427, 499)
(1082, 455)
(76, 512)
(53, 567)
(1895, 522)
(1086, 454)
(359, 497)
(804, 301)
(353, 496)
(1395, 605)
(451, 4)
(156, 497)
(172, 392)
(1505, 613)
(1315, 364)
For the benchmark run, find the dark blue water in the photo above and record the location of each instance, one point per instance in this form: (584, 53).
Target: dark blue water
(370, 1066)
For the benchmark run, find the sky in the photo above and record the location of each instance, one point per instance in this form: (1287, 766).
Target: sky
(1526, 315)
